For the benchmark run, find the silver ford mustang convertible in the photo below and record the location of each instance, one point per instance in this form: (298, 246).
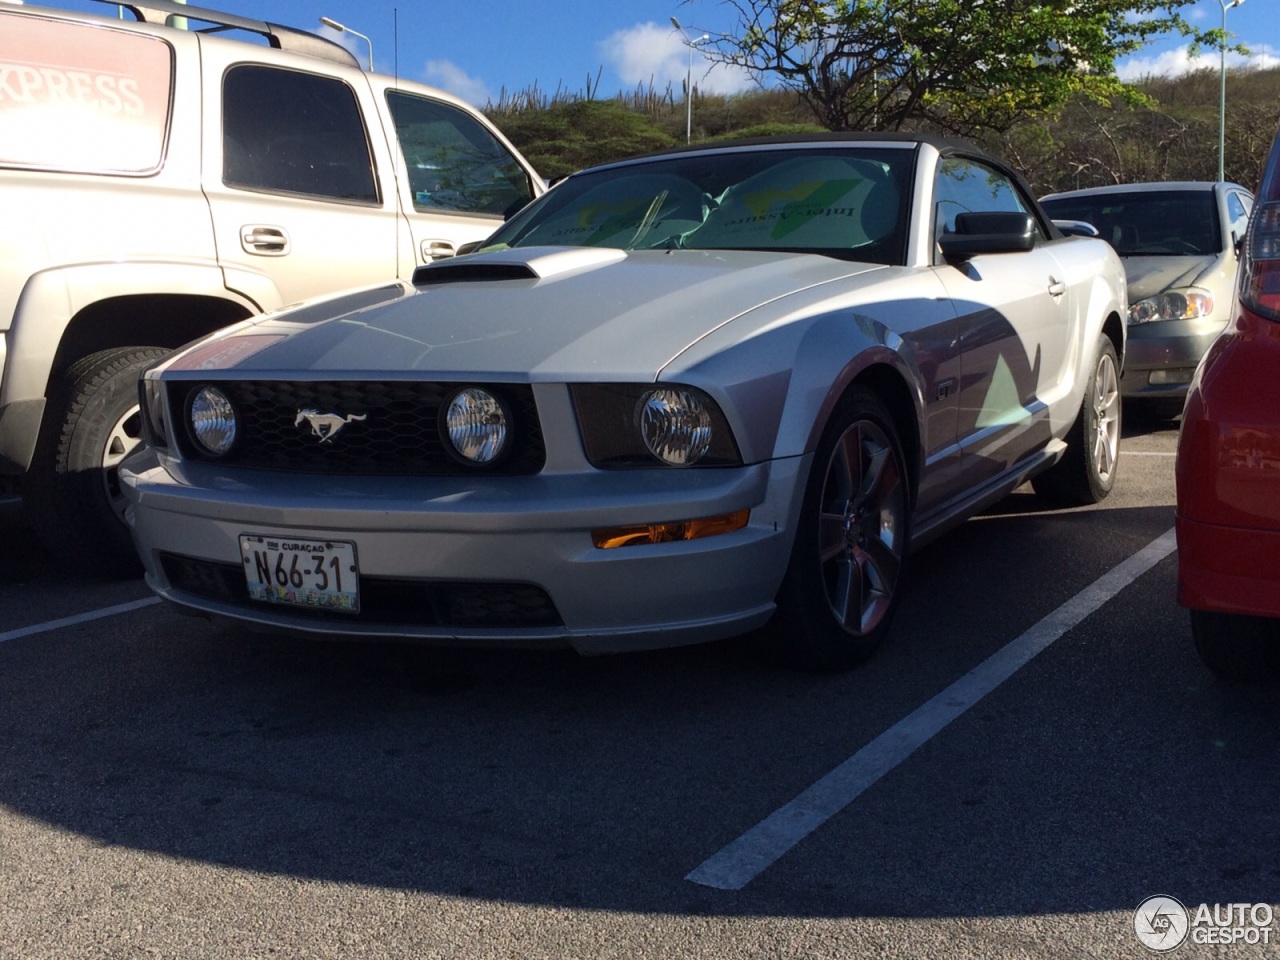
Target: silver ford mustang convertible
(674, 399)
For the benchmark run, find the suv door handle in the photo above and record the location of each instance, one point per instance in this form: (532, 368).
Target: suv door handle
(264, 240)
(1056, 287)
(436, 250)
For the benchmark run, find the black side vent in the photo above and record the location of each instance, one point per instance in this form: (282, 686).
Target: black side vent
(447, 272)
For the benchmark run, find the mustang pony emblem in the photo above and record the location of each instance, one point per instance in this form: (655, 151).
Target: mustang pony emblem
(325, 425)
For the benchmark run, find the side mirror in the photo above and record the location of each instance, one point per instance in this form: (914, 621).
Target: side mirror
(1077, 228)
(472, 247)
(988, 232)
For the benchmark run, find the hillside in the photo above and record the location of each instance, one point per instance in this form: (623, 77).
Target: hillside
(1175, 138)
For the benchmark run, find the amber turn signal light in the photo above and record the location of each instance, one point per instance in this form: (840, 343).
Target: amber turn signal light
(631, 536)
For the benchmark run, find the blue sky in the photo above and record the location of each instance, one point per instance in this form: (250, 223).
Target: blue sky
(478, 50)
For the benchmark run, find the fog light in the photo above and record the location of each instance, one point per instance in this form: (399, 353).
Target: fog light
(476, 425)
(1167, 377)
(669, 532)
(213, 420)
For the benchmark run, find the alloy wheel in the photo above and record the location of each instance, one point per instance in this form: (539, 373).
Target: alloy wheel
(861, 527)
(124, 437)
(1106, 415)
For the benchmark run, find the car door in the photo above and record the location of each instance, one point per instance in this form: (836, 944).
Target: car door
(294, 179)
(1015, 326)
(460, 181)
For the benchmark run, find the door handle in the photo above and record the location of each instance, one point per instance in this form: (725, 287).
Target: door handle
(1056, 287)
(264, 240)
(436, 250)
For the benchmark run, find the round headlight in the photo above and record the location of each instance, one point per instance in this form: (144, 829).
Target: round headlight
(213, 420)
(675, 425)
(476, 424)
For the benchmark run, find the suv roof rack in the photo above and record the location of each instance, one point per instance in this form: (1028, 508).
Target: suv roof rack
(282, 38)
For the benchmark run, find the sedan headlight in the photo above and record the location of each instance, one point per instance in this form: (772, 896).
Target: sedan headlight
(212, 419)
(1188, 304)
(476, 426)
(635, 425)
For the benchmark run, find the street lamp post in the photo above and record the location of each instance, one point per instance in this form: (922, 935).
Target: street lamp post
(1222, 86)
(341, 28)
(688, 77)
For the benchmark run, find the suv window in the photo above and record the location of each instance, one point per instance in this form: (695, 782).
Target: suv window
(284, 131)
(965, 186)
(453, 163)
(80, 98)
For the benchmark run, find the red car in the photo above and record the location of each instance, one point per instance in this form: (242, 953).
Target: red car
(1228, 467)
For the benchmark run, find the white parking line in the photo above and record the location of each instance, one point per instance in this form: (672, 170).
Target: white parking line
(737, 864)
(79, 618)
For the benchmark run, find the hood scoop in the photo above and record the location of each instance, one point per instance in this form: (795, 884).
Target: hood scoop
(532, 263)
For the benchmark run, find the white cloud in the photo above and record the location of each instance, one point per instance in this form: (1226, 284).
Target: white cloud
(649, 53)
(451, 78)
(1175, 63)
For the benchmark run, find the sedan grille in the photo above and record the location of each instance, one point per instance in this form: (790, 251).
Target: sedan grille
(387, 427)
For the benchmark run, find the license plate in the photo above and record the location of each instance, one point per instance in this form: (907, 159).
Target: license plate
(319, 574)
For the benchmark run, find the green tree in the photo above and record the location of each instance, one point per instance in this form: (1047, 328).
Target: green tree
(958, 66)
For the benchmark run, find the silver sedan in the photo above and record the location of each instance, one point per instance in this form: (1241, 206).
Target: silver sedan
(1179, 244)
(675, 399)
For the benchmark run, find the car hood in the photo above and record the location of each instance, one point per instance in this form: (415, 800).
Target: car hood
(1147, 276)
(541, 314)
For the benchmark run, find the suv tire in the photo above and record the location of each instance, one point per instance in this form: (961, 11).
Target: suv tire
(74, 486)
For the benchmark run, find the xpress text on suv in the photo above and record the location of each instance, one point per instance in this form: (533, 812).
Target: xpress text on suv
(158, 183)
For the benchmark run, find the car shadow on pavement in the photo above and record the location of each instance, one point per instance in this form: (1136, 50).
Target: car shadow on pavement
(1139, 420)
(1111, 768)
(23, 555)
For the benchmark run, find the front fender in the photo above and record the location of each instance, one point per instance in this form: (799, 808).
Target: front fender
(51, 299)
(779, 375)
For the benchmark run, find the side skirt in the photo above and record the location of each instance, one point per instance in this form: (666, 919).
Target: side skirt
(928, 527)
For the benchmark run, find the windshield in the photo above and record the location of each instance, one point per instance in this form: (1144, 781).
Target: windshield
(846, 202)
(1148, 223)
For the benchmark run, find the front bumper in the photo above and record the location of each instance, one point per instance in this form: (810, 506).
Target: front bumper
(1161, 357)
(511, 534)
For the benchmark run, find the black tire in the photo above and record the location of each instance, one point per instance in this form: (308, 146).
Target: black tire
(1087, 471)
(1236, 647)
(844, 580)
(72, 493)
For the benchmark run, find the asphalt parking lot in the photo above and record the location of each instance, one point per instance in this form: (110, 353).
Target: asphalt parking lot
(1036, 752)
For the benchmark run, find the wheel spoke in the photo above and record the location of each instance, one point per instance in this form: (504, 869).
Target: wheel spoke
(881, 482)
(883, 562)
(847, 589)
(832, 539)
(123, 439)
(844, 472)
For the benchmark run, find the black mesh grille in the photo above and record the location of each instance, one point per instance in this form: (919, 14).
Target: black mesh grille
(389, 427)
(389, 602)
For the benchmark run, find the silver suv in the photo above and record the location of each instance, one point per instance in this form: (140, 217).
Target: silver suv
(157, 183)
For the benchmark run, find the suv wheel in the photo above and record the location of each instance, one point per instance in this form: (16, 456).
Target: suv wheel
(72, 492)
